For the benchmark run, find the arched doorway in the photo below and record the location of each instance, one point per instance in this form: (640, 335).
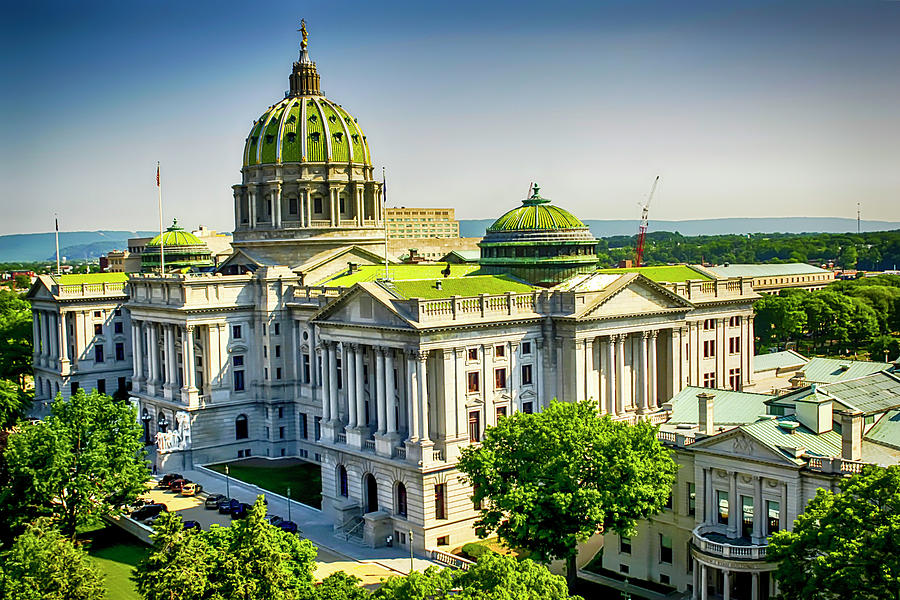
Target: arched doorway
(401, 499)
(343, 488)
(371, 487)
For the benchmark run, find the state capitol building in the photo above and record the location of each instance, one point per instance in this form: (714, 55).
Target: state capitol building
(307, 343)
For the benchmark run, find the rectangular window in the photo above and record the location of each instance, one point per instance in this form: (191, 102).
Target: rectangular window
(281, 433)
(472, 383)
(475, 505)
(306, 372)
(709, 324)
(120, 351)
(526, 374)
(101, 386)
(746, 516)
(276, 328)
(722, 503)
(304, 432)
(773, 517)
(98, 328)
(98, 353)
(624, 545)
(440, 501)
(277, 351)
(118, 312)
(734, 345)
(500, 351)
(277, 372)
(709, 348)
(317, 205)
(709, 380)
(317, 426)
(665, 549)
(669, 500)
(501, 412)
(473, 354)
(692, 498)
(339, 371)
(117, 327)
(97, 314)
(238, 373)
(474, 426)
(527, 408)
(734, 321)
(292, 206)
(734, 379)
(500, 378)
(236, 332)
(265, 352)
(444, 540)
(280, 412)
(74, 387)
(122, 385)
(526, 347)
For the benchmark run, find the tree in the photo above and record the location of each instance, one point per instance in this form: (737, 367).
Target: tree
(844, 545)
(499, 577)
(14, 403)
(340, 586)
(22, 281)
(83, 461)
(44, 565)
(178, 566)
(546, 481)
(432, 584)
(15, 337)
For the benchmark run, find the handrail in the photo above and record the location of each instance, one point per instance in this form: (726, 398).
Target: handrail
(451, 560)
(350, 531)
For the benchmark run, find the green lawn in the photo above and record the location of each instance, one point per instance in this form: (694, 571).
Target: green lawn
(304, 479)
(116, 553)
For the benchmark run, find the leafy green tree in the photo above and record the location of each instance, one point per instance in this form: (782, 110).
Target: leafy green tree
(432, 584)
(44, 565)
(546, 481)
(844, 545)
(849, 256)
(15, 337)
(885, 347)
(178, 567)
(779, 318)
(83, 461)
(499, 577)
(340, 586)
(22, 281)
(14, 403)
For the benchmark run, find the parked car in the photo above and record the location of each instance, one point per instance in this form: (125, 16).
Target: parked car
(227, 505)
(176, 485)
(275, 520)
(240, 511)
(169, 478)
(192, 525)
(191, 489)
(148, 511)
(213, 500)
(288, 526)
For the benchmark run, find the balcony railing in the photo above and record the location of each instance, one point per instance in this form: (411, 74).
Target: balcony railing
(837, 464)
(451, 560)
(369, 445)
(437, 456)
(92, 289)
(342, 438)
(400, 452)
(747, 551)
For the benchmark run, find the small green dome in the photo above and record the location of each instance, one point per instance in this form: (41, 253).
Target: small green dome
(536, 213)
(306, 129)
(176, 236)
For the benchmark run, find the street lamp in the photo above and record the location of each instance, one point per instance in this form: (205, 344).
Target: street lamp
(145, 419)
(289, 503)
(227, 492)
(410, 551)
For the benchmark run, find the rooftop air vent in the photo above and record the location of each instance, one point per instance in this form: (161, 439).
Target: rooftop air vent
(788, 426)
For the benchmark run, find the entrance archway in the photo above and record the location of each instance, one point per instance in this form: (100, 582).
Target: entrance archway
(371, 487)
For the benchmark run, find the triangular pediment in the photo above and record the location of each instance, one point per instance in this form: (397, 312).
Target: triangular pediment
(741, 445)
(362, 305)
(634, 295)
(41, 289)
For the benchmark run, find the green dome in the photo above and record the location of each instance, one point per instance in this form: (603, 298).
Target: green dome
(176, 236)
(306, 129)
(536, 213)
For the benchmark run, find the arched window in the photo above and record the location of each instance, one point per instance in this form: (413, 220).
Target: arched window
(241, 431)
(401, 499)
(342, 481)
(371, 491)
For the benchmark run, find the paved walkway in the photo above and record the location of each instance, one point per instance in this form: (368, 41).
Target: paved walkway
(335, 553)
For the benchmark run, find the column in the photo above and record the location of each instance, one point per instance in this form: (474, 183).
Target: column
(721, 354)
(251, 207)
(276, 206)
(63, 342)
(380, 391)
(751, 350)
(313, 357)
(695, 594)
(53, 352)
(676, 346)
(704, 589)
(709, 495)
(732, 505)
(36, 335)
(326, 381)
(590, 371)
(758, 509)
(611, 375)
(187, 359)
(349, 375)
(152, 348)
(653, 399)
(513, 379)
(335, 207)
(579, 387)
(237, 208)
(754, 586)
(538, 374)
(360, 214)
(308, 201)
(620, 374)
(726, 584)
(412, 397)
(213, 361)
(361, 415)
(642, 391)
(332, 391)
(171, 358)
(389, 392)
(136, 349)
(782, 509)
(422, 377)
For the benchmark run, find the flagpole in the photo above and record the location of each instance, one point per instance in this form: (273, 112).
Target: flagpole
(384, 220)
(162, 253)
(56, 220)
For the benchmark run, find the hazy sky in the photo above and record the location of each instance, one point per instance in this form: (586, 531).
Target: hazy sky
(744, 108)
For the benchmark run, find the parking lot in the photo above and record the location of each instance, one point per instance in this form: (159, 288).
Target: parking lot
(328, 561)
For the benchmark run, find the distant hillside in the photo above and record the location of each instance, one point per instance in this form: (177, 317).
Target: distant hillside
(72, 244)
(476, 227)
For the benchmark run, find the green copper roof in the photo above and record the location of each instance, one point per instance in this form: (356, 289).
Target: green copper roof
(78, 279)
(770, 433)
(306, 129)
(778, 360)
(668, 273)
(473, 285)
(537, 213)
(397, 272)
(729, 407)
(832, 370)
(176, 236)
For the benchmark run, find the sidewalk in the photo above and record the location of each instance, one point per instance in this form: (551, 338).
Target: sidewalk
(312, 523)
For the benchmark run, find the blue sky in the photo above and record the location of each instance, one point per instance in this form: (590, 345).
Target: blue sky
(744, 108)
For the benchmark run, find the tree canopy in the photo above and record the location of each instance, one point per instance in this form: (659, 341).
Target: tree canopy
(83, 461)
(15, 337)
(14, 403)
(546, 481)
(44, 565)
(844, 545)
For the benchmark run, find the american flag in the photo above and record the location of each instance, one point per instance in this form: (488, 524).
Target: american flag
(157, 174)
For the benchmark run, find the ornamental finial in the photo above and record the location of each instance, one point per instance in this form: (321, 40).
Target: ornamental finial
(536, 191)
(302, 30)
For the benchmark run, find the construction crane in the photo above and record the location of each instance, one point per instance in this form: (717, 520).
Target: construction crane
(642, 231)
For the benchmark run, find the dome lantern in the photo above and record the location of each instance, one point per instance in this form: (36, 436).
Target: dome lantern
(304, 78)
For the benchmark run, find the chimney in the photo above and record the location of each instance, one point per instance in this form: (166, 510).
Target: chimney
(705, 421)
(851, 435)
(438, 285)
(353, 267)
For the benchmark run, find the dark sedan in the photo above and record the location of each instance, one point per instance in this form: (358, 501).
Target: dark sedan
(227, 505)
(168, 478)
(288, 526)
(212, 501)
(192, 525)
(240, 511)
(148, 511)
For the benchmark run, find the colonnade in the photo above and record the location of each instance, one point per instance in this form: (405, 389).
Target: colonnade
(735, 507)
(253, 201)
(704, 577)
(50, 339)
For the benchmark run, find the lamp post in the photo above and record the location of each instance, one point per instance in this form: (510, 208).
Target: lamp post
(289, 503)
(227, 492)
(410, 551)
(145, 419)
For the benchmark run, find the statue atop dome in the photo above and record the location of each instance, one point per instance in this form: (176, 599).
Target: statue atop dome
(305, 41)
